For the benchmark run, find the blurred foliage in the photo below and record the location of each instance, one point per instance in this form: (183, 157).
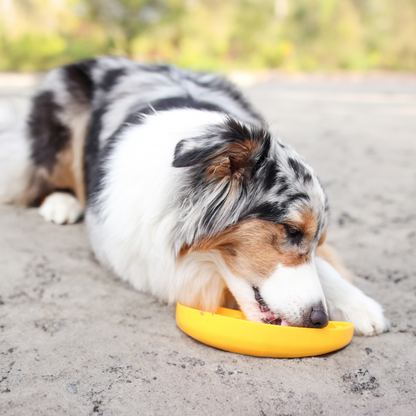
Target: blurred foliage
(212, 34)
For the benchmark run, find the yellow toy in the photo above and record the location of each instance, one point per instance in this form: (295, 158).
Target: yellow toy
(229, 330)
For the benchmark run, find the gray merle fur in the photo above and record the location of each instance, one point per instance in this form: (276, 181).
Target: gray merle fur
(48, 134)
(267, 185)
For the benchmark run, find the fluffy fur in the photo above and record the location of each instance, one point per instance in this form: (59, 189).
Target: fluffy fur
(186, 193)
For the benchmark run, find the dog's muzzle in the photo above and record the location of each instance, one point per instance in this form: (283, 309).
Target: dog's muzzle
(315, 317)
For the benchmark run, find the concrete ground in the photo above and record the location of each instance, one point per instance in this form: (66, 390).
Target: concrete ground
(74, 340)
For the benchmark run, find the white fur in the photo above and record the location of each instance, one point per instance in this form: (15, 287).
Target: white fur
(290, 289)
(287, 292)
(199, 280)
(132, 233)
(348, 303)
(243, 293)
(61, 208)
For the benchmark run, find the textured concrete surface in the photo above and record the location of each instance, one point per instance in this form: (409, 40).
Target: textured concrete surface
(74, 340)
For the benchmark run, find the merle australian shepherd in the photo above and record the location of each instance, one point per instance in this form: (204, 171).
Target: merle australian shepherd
(186, 194)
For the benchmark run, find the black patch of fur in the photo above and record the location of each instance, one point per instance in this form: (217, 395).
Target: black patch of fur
(265, 150)
(92, 148)
(111, 78)
(307, 178)
(296, 167)
(269, 173)
(235, 132)
(97, 172)
(284, 186)
(48, 135)
(268, 212)
(79, 82)
(171, 103)
(297, 197)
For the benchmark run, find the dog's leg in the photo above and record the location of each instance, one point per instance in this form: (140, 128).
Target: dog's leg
(61, 208)
(56, 132)
(330, 255)
(348, 303)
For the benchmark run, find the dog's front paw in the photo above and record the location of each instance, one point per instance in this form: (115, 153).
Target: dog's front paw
(61, 208)
(365, 313)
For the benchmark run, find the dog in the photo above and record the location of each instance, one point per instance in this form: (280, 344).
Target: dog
(185, 192)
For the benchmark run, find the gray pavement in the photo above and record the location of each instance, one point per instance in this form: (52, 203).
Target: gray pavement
(74, 340)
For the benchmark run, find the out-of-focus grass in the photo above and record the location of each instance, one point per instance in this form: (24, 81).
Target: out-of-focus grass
(212, 34)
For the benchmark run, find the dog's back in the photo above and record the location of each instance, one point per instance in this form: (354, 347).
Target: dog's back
(79, 110)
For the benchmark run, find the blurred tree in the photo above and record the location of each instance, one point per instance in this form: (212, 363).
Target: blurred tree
(131, 19)
(212, 34)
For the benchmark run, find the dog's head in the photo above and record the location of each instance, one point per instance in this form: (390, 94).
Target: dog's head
(258, 205)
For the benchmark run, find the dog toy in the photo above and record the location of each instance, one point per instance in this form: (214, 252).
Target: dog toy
(228, 330)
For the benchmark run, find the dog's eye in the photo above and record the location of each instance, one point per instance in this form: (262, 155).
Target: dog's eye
(294, 235)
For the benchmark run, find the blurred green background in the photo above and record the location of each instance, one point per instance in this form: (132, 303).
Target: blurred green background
(292, 35)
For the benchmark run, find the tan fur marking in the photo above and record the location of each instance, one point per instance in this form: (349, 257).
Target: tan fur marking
(68, 172)
(185, 249)
(79, 132)
(63, 176)
(233, 162)
(42, 182)
(329, 254)
(253, 248)
(308, 223)
(323, 238)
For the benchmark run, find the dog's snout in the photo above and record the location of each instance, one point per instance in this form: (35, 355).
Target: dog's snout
(318, 318)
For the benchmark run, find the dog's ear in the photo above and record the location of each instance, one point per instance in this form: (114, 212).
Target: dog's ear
(229, 151)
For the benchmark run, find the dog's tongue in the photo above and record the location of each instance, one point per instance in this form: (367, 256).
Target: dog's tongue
(270, 318)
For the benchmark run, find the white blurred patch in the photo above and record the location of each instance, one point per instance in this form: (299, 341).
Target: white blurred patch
(61, 208)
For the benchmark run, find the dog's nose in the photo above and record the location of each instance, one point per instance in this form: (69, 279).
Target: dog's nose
(319, 319)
